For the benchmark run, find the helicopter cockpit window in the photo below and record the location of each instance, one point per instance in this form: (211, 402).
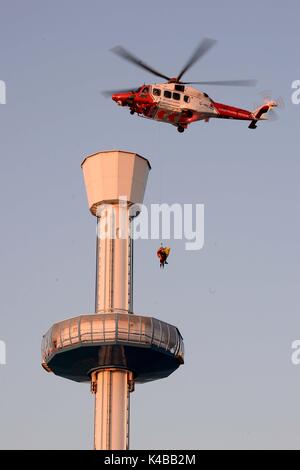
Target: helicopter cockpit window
(156, 92)
(167, 94)
(145, 90)
(186, 98)
(176, 96)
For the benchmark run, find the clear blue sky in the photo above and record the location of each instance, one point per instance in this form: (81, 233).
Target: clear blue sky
(236, 302)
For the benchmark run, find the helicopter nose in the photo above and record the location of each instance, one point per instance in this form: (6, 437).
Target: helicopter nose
(114, 97)
(119, 98)
(122, 99)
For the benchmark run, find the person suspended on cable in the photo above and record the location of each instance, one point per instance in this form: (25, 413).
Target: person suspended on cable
(163, 254)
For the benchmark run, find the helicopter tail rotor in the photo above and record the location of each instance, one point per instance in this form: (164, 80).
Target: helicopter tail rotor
(264, 112)
(267, 99)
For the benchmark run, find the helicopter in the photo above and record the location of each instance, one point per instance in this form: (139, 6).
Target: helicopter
(178, 103)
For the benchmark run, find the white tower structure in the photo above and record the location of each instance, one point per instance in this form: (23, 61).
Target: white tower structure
(123, 177)
(113, 349)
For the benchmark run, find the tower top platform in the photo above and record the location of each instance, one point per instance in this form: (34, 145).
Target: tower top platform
(114, 174)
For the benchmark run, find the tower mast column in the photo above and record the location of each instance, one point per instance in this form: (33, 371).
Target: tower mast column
(113, 293)
(111, 430)
(114, 261)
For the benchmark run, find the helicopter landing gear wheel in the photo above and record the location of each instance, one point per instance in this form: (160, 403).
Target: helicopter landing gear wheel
(131, 111)
(180, 129)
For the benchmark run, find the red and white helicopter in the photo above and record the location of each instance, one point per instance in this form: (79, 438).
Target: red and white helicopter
(177, 103)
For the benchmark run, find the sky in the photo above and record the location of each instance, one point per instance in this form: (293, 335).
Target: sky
(236, 301)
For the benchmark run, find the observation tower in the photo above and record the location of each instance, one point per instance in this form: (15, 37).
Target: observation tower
(113, 348)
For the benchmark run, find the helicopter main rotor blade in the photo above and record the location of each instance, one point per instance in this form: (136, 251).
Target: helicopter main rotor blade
(121, 52)
(225, 83)
(199, 52)
(108, 93)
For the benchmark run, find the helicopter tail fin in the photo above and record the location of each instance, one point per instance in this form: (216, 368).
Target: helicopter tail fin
(259, 114)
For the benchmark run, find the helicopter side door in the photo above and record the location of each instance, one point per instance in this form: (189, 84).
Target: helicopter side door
(169, 107)
(170, 100)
